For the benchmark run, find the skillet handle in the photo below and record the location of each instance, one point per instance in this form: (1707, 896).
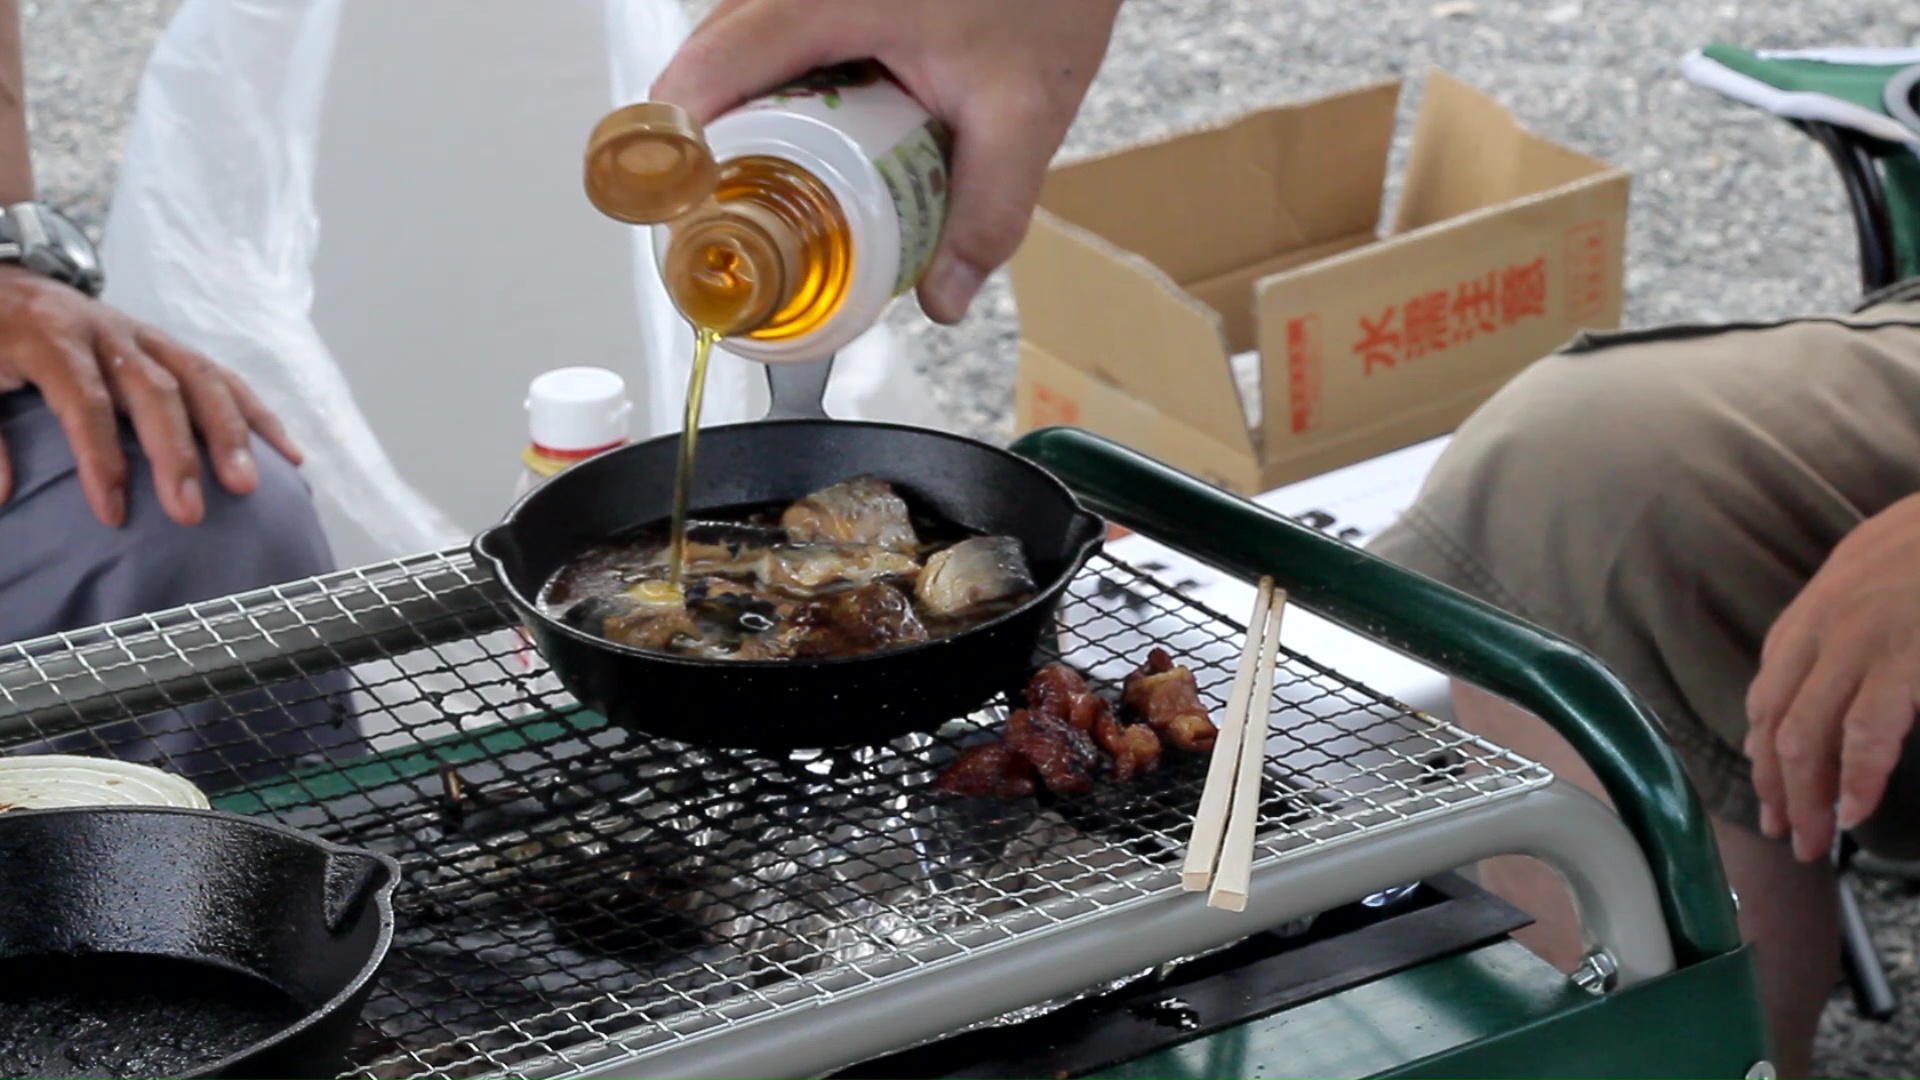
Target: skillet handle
(492, 547)
(353, 878)
(1471, 641)
(798, 391)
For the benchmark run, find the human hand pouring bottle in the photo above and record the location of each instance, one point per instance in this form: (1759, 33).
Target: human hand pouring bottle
(789, 224)
(792, 221)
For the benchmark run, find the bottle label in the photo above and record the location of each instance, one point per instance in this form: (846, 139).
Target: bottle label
(542, 465)
(916, 174)
(908, 148)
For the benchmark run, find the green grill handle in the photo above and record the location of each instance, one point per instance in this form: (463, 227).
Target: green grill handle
(1439, 626)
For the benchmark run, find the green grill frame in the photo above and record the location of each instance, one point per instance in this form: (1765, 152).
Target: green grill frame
(1466, 639)
(1511, 1014)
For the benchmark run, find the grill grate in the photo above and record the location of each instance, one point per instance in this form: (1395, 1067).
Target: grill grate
(572, 889)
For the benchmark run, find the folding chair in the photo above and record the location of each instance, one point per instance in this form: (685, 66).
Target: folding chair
(1883, 194)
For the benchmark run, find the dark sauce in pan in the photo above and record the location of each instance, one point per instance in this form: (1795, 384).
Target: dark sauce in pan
(736, 612)
(612, 566)
(112, 1015)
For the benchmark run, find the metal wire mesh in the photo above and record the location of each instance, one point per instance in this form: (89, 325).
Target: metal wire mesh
(571, 887)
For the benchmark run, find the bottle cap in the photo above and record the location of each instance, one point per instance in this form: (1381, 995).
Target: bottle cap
(648, 164)
(576, 410)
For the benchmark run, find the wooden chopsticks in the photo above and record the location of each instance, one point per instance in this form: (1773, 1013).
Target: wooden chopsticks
(1220, 853)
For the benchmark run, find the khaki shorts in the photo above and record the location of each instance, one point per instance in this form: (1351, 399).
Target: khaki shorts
(1659, 496)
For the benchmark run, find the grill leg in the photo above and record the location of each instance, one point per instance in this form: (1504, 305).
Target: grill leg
(1873, 997)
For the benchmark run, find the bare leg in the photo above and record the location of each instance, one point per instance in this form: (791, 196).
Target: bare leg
(1788, 908)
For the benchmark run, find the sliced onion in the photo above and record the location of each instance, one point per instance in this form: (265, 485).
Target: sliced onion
(45, 781)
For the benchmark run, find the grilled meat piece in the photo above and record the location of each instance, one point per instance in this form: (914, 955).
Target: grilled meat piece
(735, 535)
(738, 620)
(777, 644)
(721, 548)
(1166, 696)
(991, 769)
(1192, 733)
(1053, 690)
(813, 566)
(1064, 757)
(651, 615)
(861, 620)
(1067, 731)
(1087, 711)
(1134, 748)
(719, 598)
(975, 572)
(1058, 691)
(863, 510)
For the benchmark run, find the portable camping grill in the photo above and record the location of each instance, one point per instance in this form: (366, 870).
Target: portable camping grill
(584, 900)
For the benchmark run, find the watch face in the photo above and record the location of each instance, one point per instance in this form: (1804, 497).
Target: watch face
(75, 249)
(50, 243)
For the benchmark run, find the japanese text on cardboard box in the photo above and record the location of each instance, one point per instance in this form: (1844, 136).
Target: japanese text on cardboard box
(1426, 324)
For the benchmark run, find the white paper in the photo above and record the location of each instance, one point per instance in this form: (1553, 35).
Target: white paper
(1353, 504)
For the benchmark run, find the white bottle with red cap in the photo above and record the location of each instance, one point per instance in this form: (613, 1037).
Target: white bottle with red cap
(573, 413)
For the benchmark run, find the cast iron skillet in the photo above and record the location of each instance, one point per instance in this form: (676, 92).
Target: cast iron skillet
(156, 941)
(792, 704)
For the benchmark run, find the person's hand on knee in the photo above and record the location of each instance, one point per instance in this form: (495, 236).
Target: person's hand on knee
(92, 362)
(1838, 685)
(1006, 75)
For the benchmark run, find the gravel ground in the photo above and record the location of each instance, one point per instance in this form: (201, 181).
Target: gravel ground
(1734, 215)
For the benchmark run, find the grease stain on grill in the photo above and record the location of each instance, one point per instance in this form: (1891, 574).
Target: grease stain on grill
(106, 1015)
(631, 917)
(1170, 1012)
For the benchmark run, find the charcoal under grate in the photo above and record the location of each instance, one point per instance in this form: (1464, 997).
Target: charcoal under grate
(576, 894)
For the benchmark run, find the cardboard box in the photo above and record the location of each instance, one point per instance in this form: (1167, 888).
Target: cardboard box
(1146, 271)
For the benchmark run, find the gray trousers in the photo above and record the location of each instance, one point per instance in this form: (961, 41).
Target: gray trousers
(61, 570)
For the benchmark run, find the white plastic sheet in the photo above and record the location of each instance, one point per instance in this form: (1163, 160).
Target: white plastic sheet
(213, 232)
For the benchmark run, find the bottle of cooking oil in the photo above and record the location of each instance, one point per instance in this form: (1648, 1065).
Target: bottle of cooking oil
(791, 222)
(573, 413)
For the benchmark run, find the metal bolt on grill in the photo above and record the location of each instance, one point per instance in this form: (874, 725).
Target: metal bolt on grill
(578, 896)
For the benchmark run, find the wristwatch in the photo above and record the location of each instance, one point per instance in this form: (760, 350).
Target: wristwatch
(46, 241)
